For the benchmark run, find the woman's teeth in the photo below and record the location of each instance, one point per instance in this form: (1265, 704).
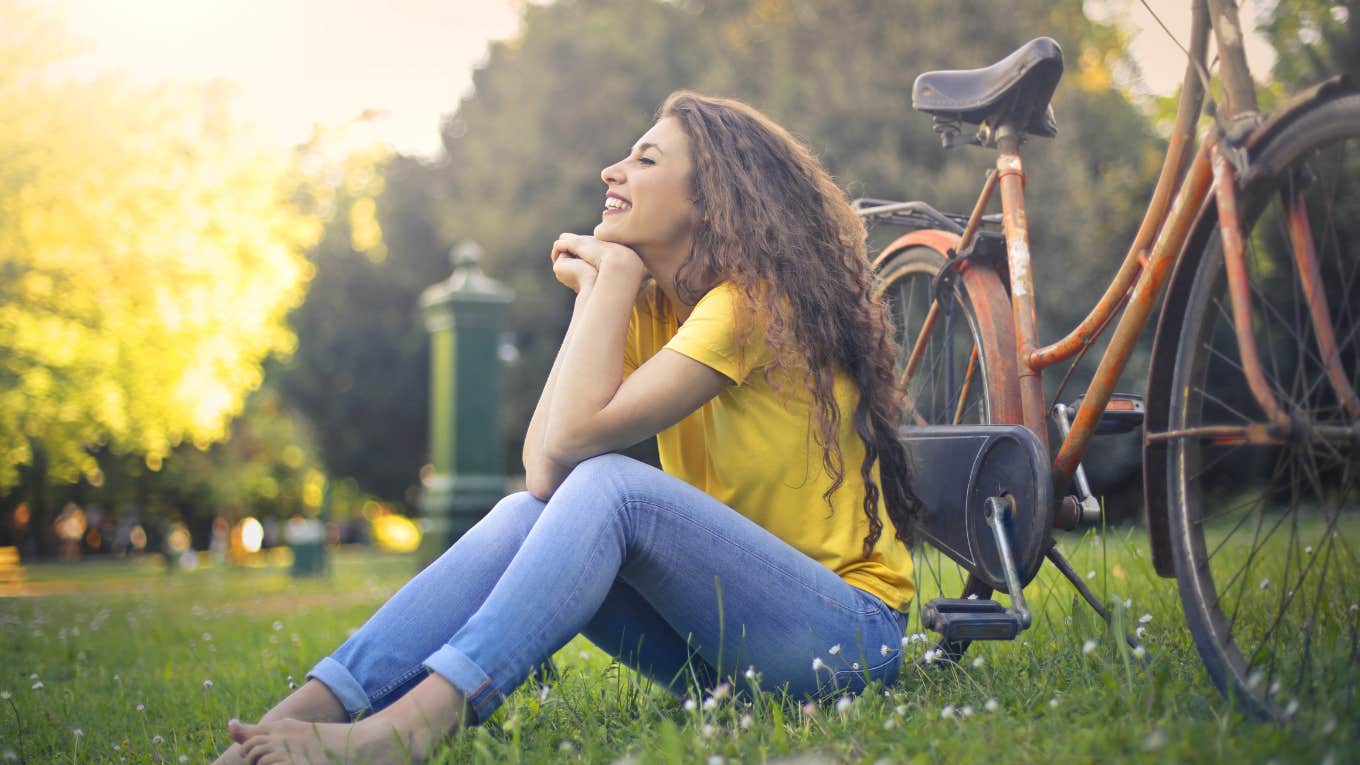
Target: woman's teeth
(614, 203)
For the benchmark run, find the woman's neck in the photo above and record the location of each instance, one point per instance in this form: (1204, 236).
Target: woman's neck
(663, 270)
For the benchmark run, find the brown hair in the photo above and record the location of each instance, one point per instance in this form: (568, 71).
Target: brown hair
(775, 225)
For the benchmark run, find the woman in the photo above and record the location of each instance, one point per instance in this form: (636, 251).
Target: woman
(723, 305)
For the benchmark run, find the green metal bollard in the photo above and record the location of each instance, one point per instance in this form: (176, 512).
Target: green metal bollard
(465, 317)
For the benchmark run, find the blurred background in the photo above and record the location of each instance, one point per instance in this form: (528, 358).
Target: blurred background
(216, 218)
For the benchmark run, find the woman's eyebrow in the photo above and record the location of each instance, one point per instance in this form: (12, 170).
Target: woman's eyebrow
(645, 146)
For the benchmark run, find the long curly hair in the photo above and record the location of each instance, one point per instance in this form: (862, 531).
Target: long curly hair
(775, 225)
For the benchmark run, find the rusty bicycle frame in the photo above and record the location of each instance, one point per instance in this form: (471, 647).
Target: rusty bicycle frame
(1188, 176)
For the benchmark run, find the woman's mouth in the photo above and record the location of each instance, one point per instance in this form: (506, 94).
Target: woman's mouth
(615, 205)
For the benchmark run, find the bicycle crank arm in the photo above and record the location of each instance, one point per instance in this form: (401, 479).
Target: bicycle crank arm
(969, 619)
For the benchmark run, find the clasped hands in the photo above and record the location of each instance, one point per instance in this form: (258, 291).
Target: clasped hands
(578, 260)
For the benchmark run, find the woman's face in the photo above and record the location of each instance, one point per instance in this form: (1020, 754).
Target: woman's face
(648, 206)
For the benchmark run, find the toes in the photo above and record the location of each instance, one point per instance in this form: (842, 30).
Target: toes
(257, 748)
(241, 731)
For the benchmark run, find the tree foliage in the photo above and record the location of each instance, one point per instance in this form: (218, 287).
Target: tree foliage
(148, 257)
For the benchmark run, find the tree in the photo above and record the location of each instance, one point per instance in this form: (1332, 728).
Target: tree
(148, 257)
(361, 370)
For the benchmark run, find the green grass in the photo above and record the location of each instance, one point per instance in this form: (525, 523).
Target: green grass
(125, 656)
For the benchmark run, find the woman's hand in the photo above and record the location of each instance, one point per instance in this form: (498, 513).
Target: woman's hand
(601, 255)
(573, 272)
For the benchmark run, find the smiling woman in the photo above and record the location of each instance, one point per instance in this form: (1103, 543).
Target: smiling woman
(763, 368)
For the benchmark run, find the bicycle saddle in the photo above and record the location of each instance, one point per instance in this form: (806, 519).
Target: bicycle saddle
(1015, 89)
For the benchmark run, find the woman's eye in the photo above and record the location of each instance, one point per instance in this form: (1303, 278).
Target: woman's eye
(646, 161)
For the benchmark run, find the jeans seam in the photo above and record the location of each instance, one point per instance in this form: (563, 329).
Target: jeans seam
(769, 563)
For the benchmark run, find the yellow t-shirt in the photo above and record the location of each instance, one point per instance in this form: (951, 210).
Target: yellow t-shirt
(754, 450)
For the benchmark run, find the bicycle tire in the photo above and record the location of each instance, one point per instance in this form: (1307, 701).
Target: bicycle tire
(1264, 536)
(905, 277)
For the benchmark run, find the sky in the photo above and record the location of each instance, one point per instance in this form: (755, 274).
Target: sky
(296, 63)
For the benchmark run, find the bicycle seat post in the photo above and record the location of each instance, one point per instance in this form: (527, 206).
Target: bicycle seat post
(1011, 178)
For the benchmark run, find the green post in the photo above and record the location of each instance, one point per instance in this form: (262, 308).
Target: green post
(465, 317)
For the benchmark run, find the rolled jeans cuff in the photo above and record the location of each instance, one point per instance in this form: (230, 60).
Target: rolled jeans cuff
(342, 685)
(481, 694)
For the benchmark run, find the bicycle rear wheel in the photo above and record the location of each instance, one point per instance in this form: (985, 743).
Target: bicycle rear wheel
(960, 378)
(1266, 536)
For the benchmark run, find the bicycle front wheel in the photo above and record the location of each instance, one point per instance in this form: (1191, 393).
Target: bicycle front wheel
(1265, 531)
(960, 377)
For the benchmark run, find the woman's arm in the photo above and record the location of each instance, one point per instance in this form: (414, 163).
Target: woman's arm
(541, 474)
(593, 410)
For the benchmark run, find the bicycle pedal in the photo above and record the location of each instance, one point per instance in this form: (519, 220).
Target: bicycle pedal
(964, 619)
(1121, 415)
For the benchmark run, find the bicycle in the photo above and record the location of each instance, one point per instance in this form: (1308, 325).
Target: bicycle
(1251, 419)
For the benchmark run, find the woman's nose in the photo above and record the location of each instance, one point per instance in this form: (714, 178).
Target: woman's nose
(612, 175)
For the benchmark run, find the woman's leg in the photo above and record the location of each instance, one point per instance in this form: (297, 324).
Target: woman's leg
(742, 597)
(382, 660)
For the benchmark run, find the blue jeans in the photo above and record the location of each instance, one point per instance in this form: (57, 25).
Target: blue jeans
(658, 574)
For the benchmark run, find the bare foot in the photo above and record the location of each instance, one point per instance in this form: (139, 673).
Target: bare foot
(293, 742)
(313, 701)
(407, 731)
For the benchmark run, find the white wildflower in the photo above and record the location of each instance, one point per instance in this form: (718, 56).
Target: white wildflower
(973, 596)
(1139, 652)
(207, 683)
(1089, 647)
(992, 705)
(900, 710)
(883, 650)
(1265, 582)
(979, 662)
(1090, 575)
(141, 707)
(931, 654)
(566, 747)
(1155, 740)
(843, 705)
(817, 664)
(38, 685)
(834, 650)
(966, 710)
(854, 665)
(543, 693)
(278, 626)
(889, 723)
(947, 713)
(1140, 632)
(722, 691)
(77, 732)
(4, 695)
(157, 740)
(1145, 618)
(708, 730)
(585, 655)
(710, 703)
(751, 673)
(746, 722)
(716, 759)
(1308, 550)
(690, 706)
(1053, 703)
(1291, 707)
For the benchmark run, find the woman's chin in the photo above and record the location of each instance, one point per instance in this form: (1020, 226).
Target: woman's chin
(605, 231)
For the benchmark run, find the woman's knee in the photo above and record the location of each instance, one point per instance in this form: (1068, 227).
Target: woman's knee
(520, 508)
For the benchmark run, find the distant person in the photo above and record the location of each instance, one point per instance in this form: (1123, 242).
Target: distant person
(723, 305)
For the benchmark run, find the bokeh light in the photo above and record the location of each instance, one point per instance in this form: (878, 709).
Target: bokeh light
(252, 535)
